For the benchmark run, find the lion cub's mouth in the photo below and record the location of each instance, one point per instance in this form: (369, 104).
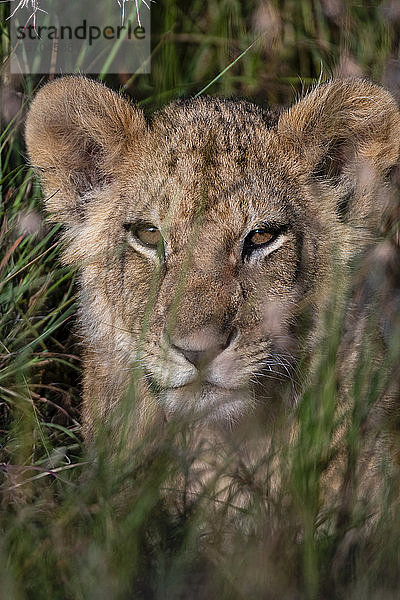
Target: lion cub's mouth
(201, 385)
(208, 401)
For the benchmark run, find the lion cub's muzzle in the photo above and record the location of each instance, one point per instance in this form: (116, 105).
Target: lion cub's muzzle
(201, 373)
(203, 354)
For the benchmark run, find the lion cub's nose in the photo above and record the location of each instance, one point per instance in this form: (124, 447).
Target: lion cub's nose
(201, 349)
(200, 358)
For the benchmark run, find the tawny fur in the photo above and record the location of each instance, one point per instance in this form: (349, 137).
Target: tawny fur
(206, 172)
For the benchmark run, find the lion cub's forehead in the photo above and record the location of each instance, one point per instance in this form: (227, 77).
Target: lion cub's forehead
(207, 154)
(207, 127)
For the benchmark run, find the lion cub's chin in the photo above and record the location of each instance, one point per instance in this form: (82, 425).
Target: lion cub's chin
(208, 403)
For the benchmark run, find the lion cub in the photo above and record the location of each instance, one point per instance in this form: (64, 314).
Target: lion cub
(209, 236)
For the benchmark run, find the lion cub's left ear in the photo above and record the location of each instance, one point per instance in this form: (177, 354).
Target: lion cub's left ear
(77, 133)
(345, 133)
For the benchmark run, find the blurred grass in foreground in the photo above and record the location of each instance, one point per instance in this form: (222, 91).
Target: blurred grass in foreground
(77, 527)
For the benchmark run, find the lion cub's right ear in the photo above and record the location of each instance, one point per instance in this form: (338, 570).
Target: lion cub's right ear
(77, 131)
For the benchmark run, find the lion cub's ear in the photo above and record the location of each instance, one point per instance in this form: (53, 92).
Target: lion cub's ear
(77, 131)
(344, 132)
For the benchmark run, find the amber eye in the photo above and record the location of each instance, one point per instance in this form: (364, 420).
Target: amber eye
(147, 234)
(260, 236)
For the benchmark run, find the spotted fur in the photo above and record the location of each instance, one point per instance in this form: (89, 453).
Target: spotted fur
(206, 325)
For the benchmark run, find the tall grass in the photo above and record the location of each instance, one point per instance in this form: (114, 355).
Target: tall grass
(75, 524)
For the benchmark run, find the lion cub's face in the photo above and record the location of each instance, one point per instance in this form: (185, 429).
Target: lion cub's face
(217, 229)
(205, 236)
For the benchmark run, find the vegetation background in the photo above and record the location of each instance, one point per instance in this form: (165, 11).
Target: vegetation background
(75, 527)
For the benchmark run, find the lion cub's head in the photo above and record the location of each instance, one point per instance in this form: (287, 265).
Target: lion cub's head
(205, 235)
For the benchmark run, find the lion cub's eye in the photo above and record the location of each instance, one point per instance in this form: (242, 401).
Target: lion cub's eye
(147, 234)
(260, 236)
(268, 238)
